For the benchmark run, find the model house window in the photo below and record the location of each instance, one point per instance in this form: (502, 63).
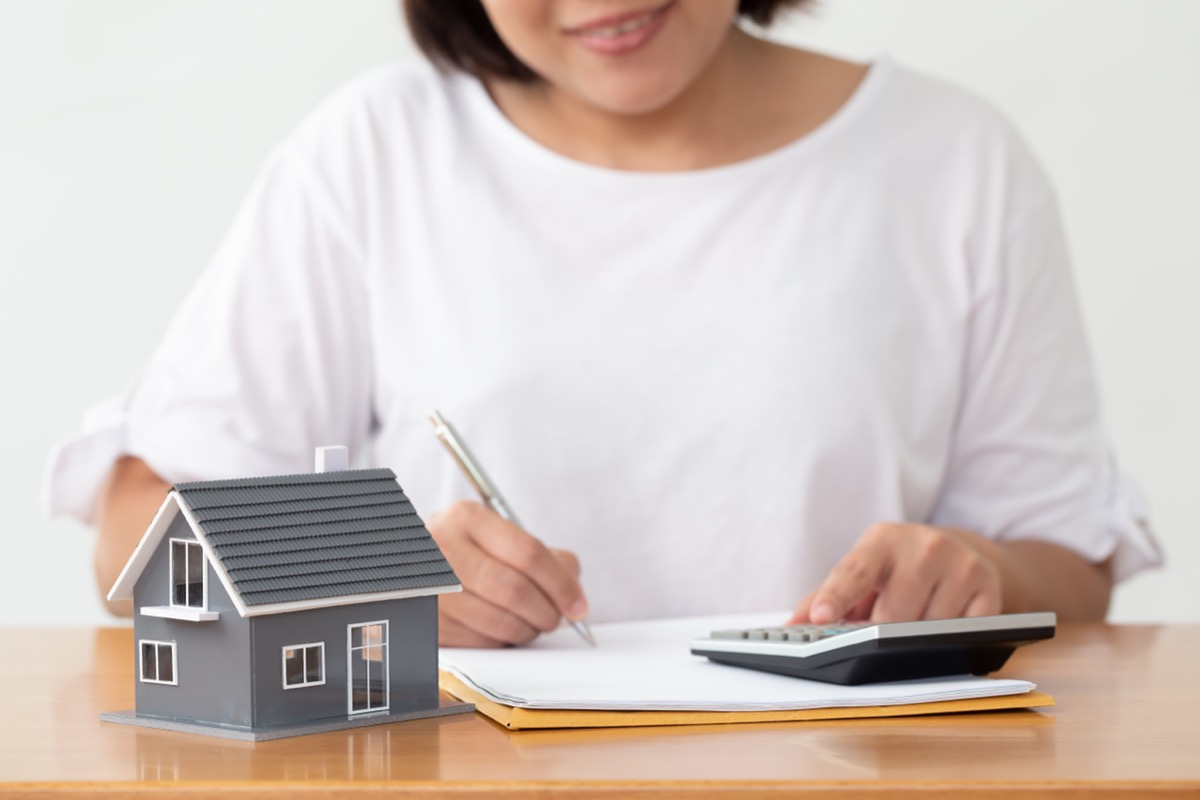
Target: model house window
(187, 574)
(158, 662)
(368, 667)
(303, 665)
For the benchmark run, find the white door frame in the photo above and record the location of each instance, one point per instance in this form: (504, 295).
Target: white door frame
(387, 678)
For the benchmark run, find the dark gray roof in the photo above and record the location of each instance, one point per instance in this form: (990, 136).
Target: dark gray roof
(314, 536)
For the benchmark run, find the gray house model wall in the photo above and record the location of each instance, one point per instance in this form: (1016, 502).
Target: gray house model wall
(269, 607)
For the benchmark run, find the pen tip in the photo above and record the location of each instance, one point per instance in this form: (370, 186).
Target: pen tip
(586, 632)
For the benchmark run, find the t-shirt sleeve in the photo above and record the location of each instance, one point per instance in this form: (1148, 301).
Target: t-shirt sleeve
(267, 358)
(1030, 458)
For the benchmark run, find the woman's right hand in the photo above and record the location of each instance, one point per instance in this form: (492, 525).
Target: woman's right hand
(514, 587)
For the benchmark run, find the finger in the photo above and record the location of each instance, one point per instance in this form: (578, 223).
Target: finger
(954, 594)
(965, 572)
(568, 560)
(476, 542)
(452, 633)
(528, 556)
(476, 614)
(906, 594)
(859, 573)
(983, 604)
(949, 600)
(510, 591)
(860, 613)
(930, 563)
(800, 616)
(459, 530)
(862, 609)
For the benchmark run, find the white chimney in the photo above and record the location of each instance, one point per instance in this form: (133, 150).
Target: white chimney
(333, 459)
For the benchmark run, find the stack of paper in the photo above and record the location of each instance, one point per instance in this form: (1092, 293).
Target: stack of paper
(647, 666)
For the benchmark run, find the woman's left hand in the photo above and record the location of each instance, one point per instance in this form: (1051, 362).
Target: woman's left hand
(898, 572)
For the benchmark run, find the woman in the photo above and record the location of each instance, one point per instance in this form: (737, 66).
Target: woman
(736, 325)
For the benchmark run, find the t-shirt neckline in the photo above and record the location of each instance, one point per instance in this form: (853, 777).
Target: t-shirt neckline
(500, 126)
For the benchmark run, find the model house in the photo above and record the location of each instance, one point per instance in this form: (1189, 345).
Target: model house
(275, 606)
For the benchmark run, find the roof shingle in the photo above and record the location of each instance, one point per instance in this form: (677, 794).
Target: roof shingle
(288, 538)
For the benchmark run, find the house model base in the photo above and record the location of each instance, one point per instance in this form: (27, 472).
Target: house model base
(446, 708)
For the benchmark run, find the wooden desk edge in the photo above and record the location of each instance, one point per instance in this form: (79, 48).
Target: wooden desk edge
(626, 790)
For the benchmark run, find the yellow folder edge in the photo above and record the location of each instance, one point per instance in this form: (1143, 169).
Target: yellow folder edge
(530, 718)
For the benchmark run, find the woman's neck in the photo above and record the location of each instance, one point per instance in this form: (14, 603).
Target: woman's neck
(753, 97)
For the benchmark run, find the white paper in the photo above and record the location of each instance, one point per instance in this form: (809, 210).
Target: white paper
(647, 666)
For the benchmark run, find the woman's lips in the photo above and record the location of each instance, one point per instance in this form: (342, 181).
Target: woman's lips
(621, 34)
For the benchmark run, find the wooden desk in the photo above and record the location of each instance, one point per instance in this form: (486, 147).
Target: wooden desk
(1127, 725)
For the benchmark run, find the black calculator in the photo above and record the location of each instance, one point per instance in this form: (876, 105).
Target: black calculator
(852, 653)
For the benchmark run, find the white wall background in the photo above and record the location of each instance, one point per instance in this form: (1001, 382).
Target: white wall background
(130, 129)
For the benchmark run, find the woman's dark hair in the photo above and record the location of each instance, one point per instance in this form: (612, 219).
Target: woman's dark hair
(458, 34)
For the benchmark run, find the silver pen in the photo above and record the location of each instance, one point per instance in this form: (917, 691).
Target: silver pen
(487, 491)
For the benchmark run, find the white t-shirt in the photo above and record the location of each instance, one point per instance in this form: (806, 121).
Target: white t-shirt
(707, 384)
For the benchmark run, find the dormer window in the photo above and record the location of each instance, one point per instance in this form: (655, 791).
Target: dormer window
(187, 574)
(188, 591)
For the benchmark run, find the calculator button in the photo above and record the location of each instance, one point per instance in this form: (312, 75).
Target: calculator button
(739, 633)
(789, 633)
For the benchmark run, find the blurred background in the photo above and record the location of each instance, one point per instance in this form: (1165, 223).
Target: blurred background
(130, 130)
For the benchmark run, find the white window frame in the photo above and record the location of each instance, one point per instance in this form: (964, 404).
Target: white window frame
(188, 545)
(158, 661)
(387, 662)
(303, 648)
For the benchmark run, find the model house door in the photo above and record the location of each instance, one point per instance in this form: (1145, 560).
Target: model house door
(367, 649)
